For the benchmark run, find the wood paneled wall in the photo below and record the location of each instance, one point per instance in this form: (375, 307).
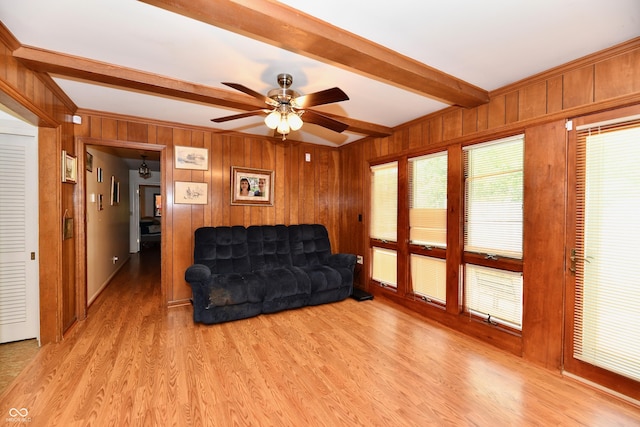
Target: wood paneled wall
(537, 106)
(38, 100)
(304, 192)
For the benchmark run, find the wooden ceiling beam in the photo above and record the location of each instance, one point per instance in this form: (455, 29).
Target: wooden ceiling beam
(46, 61)
(290, 29)
(82, 68)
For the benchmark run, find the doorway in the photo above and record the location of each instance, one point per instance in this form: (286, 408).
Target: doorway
(150, 217)
(602, 343)
(109, 225)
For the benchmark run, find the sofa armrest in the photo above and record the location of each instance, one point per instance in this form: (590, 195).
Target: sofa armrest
(342, 260)
(197, 273)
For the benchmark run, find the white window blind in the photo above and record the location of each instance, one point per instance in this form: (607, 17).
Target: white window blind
(607, 296)
(428, 200)
(494, 196)
(429, 277)
(494, 294)
(385, 267)
(384, 201)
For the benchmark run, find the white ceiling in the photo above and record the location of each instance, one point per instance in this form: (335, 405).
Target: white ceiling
(488, 44)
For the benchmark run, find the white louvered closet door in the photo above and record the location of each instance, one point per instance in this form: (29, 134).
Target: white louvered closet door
(19, 299)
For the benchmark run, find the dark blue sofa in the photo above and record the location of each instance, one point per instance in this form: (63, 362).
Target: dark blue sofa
(241, 272)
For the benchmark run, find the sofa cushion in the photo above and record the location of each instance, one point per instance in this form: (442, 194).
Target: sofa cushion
(222, 249)
(234, 288)
(268, 247)
(283, 284)
(322, 277)
(309, 244)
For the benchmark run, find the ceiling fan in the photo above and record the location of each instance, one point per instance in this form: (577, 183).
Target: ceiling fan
(286, 107)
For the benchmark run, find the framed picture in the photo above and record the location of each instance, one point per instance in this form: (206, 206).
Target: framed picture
(115, 191)
(67, 230)
(251, 186)
(69, 168)
(157, 205)
(89, 162)
(191, 158)
(100, 202)
(190, 193)
(99, 174)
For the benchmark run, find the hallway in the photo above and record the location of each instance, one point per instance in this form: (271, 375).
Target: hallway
(135, 362)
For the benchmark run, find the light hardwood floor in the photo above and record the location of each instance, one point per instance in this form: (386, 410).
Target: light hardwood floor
(133, 362)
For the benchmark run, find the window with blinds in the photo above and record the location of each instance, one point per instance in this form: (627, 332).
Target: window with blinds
(428, 200)
(384, 202)
(385, 267)
(607, 289)
(494, 188)
(384, 222)
(495, 295)
(429, 278)
(494, 196)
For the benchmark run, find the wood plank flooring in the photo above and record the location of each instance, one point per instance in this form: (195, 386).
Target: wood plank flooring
(134, 362)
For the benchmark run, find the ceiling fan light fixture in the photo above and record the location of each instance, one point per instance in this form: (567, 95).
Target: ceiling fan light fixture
(294, 120)
(283, 126)
(143, 170)
(272, 120)
(286, 107)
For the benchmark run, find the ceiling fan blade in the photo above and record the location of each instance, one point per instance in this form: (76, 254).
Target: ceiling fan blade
(322, 97)
(311, 116)
(257, 95)
(238, 116)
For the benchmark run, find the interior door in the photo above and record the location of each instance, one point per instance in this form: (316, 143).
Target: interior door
(602, 340)
(19, 297)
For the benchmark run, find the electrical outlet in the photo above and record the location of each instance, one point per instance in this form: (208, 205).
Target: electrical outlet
(359, 259)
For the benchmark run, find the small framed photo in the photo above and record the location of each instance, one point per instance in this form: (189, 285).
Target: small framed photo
(67, 230)
(157, 204)
(115, 191)
(190, 193)
(89, 162)
(100, 202)
(69, 168)
(251, 186)
(191, 158)
(99, 174)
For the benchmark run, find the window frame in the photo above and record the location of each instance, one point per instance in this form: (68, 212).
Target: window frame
(485, 259)
(376, 242)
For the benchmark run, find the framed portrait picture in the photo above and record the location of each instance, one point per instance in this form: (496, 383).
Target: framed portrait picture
(99, 175)
(100, 202)
(69, 168)
(89, 162)
(190, 193)
(115, 191)
(251, 186)
(191, 158)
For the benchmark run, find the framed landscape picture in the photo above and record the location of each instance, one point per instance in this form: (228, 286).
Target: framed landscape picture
(190, 193)
(191, 158)
(251, 186)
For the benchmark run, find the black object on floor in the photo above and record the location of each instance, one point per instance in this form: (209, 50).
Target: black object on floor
(360, 295)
